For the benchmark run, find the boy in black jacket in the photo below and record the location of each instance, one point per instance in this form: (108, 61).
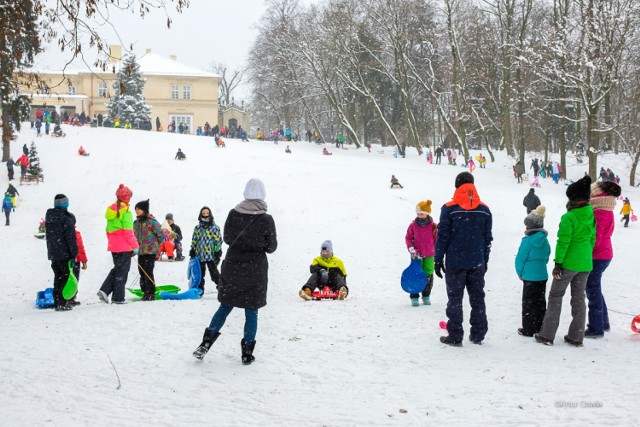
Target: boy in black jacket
(61, 246)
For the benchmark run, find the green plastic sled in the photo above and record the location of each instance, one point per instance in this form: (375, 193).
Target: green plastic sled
(71, 287)
(172, 289)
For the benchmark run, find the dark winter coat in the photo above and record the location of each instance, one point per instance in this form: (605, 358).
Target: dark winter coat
(12, 190)
(61, 235)
(464, 231)
(519, 168)
(531, 201)
(244, 272)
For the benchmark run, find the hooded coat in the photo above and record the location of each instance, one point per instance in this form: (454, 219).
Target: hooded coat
(61, 235)
(576, 239)
(533, 256)
(244, 271)
(531, 201)
(464, 231)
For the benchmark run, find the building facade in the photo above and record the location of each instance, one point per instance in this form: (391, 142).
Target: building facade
(174, 91)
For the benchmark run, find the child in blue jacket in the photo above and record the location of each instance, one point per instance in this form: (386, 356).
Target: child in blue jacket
(531, 267)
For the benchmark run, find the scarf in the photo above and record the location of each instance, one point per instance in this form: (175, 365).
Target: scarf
(422, 222)
(531, 231)
(605, 203)
(252, 207)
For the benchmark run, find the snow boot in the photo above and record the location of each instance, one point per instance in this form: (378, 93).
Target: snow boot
(305, 294)
(572, 342)
(103, 297)
(543, 340)
(207, 342)
(414, 302)
(426, 301)
(342, 293)
(247, 352)
(63, 307)
(445, 340)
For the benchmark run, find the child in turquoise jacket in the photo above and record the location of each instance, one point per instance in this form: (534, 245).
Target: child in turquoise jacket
(531, 267)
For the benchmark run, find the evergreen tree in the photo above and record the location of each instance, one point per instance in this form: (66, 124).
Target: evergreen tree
(128, 103)
(34, 161)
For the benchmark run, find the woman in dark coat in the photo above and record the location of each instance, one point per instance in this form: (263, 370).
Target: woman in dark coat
(251, 234)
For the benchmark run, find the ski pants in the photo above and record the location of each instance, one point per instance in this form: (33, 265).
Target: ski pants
(534, 306)
(117, 278)
(60, 277)
(250, 322)
(473, 281)
(146, 264)
(334, 281)
(578, 282)
(598, 314)
(213, 272)
(7, 213)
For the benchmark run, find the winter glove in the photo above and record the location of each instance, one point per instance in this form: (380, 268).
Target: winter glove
(218, 253)
(557, 271)
(412, 251)
(134, 252)
(192, 253)
(439, 269)
(84, 265)
(216, 261)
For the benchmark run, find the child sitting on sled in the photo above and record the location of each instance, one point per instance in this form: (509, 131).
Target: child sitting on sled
(395, 183)
(82, 151)
(326, 270)
(180, 155)
(421, 242)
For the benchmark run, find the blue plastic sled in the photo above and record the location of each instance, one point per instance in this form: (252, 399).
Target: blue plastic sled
(193, 273)
(190, 294)
(44, 299)
(414, 279)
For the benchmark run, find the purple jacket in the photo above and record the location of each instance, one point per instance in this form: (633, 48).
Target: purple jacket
(423, 239)
(604, 229)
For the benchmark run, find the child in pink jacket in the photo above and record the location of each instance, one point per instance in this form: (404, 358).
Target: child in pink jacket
(421, 242)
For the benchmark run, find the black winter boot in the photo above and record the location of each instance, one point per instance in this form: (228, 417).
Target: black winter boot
(247, 352)
(207, 342)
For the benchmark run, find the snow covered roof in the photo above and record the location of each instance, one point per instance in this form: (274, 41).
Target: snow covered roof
(152, 64)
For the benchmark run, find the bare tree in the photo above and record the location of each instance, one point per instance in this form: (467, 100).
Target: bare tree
(231, 79)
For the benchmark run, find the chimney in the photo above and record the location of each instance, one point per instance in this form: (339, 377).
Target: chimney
(147, 50)
(115, 53)
(173, 57)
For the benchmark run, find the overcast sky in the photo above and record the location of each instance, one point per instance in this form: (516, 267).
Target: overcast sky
(208, 31)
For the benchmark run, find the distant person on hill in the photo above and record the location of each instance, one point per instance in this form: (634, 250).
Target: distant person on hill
(13, 192)
(626, 211)
(7, 207)
(82, 151)
(287, 150)
(519, 171)
(326, 152)
(531, 201)
(395, 183)
(10, 171)
(180, 155)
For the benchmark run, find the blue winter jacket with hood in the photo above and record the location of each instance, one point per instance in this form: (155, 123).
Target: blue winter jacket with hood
(533, 256)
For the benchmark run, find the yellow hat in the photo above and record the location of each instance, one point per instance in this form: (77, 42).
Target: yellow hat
(424, 207)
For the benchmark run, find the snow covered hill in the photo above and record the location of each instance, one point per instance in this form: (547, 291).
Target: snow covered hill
(369, 360)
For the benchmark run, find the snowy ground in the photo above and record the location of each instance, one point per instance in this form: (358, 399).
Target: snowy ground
(370, 360)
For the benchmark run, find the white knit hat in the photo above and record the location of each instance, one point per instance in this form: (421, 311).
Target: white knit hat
(255, 190)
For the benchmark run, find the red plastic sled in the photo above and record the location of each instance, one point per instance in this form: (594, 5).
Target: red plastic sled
(635, 324)
(325, 293)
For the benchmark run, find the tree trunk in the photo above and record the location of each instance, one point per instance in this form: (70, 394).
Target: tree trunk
(7, 133)
(634, 167)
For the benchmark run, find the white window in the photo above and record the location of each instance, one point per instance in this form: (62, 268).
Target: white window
(102, 89)
(175, 92)
(186, 92)
(185, 120)
(72, 90)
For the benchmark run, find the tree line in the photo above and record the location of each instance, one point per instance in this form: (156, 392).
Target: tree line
(529, 77)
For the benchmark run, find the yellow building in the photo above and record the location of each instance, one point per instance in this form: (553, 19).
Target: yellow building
(174, 91)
